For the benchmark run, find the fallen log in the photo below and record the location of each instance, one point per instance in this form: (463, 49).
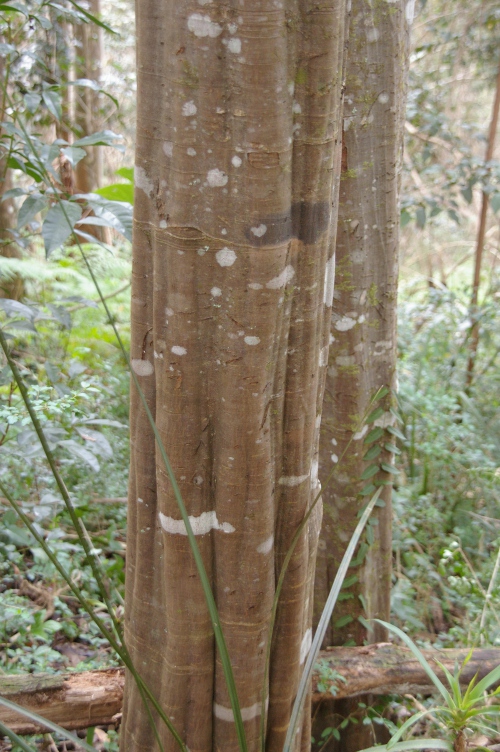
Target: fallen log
(94, 698)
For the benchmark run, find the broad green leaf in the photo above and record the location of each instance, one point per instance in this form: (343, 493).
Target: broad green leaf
(32, 101)
(492, 678)
(375, 414)
(392, 448)
(81, 453)
(396, 432)
(118, 192)
(367, 490)
(374, 435)
(126, 172)
(30, 208)
(103, 138)
(389, 468)
(369, 472)
(74, 154)
(373, 452)
(52, 100)
(56, 227)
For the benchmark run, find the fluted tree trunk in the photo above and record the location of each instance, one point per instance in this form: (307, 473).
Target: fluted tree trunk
(235, 211)
(362, 354)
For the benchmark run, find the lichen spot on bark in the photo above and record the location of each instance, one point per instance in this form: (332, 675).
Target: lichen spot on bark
(266, 547)
(259, 231)
(142, 367)
(226, 714)
(252, 340)
(292, 480)
(225, 257)
(216, 292)
(203, 26)
(216, 178)
(200, 525)
(282, 279)
(305, 645)
(329, 281)
(178, 350)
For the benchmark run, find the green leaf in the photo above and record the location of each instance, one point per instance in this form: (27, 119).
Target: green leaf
(74, 154)
(495, 202)
(56, 227)
(467, 194)
(367, 490)
(389, 468)
(492, 678)
(126, 172)
(118, 192)
(421, 217)
(392, 448)
(103, 138)
(375, 414)
(369, 472)
(32, 101)
(396, 432)
(30, 208)
(373, 452)
(413, 744)
(406, 725)
(374, 435)
(343, 621)
(52, 100)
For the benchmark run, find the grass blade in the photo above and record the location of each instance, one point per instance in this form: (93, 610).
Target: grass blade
(420, 658)
(406, 725)
(5, 731)
(45, 722)
(413, 744)
(324, 621)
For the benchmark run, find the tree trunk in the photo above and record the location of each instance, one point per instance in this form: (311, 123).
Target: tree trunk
(363, 332)
(87, 103)
(481, 234)
(238, 116)
(10, 286)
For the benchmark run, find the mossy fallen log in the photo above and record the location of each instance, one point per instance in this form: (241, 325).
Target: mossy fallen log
(94, 698)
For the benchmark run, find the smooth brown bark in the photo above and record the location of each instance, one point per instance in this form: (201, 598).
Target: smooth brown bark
(238, 120)
(363, 333)
(80, 700)
(87, 102)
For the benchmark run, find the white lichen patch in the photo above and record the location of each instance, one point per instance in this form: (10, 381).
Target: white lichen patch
(236, 161)
(142, 367)
(387, 419)
(305, 646)
(292, 480)
(296, 108)
(178, 350)
(345, 323)
(189, 109)
(225, 257)
(142, 181)
(372, 35)
(360, 434)
(216, 178)
(162, 224)
(267, 546)
(345, 361)
(200, 525)
(216, 292)
(410, 11)
(203, 26)
(334, 458)
(168, 148)
(259, 231)
(234, 45)
(169, 312)
(226, 714)
(314, 473)
(282, 279)
(323, 357)
(255, 286)
(383, 98)
(329, 281)
(191, 152)
(251, 340)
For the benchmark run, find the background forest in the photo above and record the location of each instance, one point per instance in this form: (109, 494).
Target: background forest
(56, 96)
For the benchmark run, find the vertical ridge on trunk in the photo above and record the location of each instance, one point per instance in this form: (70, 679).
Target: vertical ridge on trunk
(363, 331)
(238, 117)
